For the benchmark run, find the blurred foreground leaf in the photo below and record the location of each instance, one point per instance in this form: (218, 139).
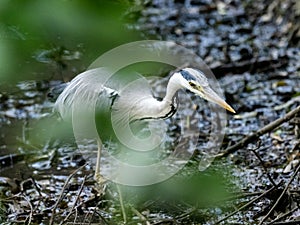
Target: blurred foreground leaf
(29, 27)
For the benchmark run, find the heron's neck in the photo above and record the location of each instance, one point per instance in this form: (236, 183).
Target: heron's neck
(156, 109)
(172, 88)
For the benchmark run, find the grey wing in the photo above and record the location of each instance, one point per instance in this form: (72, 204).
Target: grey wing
(129, 105)
(84, 92)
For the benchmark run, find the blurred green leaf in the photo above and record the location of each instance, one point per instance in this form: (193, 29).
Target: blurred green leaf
(29, 27)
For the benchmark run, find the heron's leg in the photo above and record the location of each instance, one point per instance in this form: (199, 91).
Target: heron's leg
(98, 178)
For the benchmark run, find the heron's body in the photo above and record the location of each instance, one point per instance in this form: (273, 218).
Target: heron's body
(110, 96)
(128, 100)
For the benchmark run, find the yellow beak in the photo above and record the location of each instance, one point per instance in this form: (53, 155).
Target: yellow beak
(208, 94)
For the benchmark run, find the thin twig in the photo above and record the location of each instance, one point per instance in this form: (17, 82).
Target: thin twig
(295, 222)
(263, 165)
(282, 194)
(36, 186)
(140, 215)
(283, 215)
(245, 141)
(62, 193)
(75, 202)
(246, 205)
(234, 196)
(164, 221)
(122, 204)
(29, 218)
(95, 212)
(186, 214)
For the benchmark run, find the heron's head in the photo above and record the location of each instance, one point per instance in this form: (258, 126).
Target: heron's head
(195, 81)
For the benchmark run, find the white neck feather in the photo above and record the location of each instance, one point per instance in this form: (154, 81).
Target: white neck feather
(153, 108)
(147, 107)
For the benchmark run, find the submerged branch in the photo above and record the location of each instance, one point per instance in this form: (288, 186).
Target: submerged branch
(245, 141)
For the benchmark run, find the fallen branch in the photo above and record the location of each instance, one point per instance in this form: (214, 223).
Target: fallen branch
(253, 65)
(271, 126)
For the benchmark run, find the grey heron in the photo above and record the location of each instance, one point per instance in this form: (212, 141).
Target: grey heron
(96, 85)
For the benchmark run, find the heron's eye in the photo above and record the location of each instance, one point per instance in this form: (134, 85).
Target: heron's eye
(192, 84)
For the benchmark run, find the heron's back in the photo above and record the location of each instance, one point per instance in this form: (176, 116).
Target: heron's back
(84, 92)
